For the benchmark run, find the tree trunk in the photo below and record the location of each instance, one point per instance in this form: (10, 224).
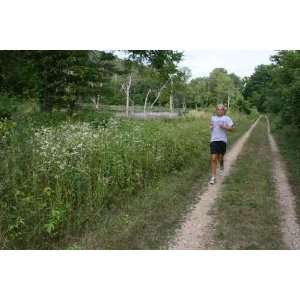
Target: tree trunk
(228, 103)
(96, 102)
(171, 97)
(128, 95)
(158, 94)
(146, 100)
(184, 105)
(171, 102)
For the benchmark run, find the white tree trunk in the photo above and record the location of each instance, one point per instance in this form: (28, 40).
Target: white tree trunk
(171, 102)
(171, 98)
(184, 105)
(96, 102)
(146, 100)
(159, 93)
(126, 88)
(228, 102)
(128, 94)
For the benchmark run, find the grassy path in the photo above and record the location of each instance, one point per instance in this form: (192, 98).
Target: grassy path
(196, 230)
(246, 213)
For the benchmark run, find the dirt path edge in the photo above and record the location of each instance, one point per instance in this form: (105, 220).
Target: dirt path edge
(285, 197)
(196, 231)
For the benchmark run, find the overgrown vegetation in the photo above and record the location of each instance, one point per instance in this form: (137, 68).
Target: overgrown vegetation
(275, 88)
(57, 178)
(148, 219)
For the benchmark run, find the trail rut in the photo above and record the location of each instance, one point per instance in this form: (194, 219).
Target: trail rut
(286, 199)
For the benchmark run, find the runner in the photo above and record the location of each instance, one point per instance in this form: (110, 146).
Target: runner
(219, 126)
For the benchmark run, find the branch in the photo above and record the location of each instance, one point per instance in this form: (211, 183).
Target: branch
(159, 92)
(146, 100)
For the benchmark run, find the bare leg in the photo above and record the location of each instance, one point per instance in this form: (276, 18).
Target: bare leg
(213, 164)
(221, 160)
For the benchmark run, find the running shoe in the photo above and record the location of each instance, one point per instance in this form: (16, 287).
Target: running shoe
(212, 180)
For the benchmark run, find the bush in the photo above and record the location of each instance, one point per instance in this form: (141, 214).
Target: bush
(8, 106)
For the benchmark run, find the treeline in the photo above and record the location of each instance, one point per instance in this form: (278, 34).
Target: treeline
(218, 87)
(275, 88)
(55, 79)
(51, 80)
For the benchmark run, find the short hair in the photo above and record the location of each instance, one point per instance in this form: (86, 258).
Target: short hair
(221, 106)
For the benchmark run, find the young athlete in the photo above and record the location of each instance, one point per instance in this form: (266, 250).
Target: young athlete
(219, 125)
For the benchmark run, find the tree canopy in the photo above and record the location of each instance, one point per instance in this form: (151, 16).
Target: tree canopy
(275, 88)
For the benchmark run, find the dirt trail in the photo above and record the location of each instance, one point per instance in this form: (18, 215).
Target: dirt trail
(196, 231)
(285, 197)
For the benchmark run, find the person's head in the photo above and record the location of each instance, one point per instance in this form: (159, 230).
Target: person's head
(220, 110)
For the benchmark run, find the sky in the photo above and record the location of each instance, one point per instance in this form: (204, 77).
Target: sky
(240, 62)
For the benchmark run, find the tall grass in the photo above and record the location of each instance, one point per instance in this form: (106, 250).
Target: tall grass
(57, 178)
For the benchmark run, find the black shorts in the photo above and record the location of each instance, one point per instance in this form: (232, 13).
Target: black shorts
(217, 147)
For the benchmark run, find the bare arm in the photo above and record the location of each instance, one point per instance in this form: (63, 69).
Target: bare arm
(228, 128)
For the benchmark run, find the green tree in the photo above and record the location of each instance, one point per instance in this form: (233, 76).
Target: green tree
(259, 85)
(220, 86)
(197, 92)
(276, 87)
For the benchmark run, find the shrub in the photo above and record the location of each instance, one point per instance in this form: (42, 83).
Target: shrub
(8, 106)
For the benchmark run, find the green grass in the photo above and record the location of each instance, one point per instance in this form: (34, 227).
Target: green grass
(149, 219)
(288, 140)
(246, 213)
(62, 177)
(56, 180)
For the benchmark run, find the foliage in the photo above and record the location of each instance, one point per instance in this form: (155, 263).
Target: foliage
(56, 78)
(275, 88)
(67, 79)
(8, 106)
(163, 60)
(219, 87)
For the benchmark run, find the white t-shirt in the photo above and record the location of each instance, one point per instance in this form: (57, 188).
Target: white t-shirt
(217, 133)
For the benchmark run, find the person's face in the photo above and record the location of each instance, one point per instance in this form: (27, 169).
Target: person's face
(220, 112)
